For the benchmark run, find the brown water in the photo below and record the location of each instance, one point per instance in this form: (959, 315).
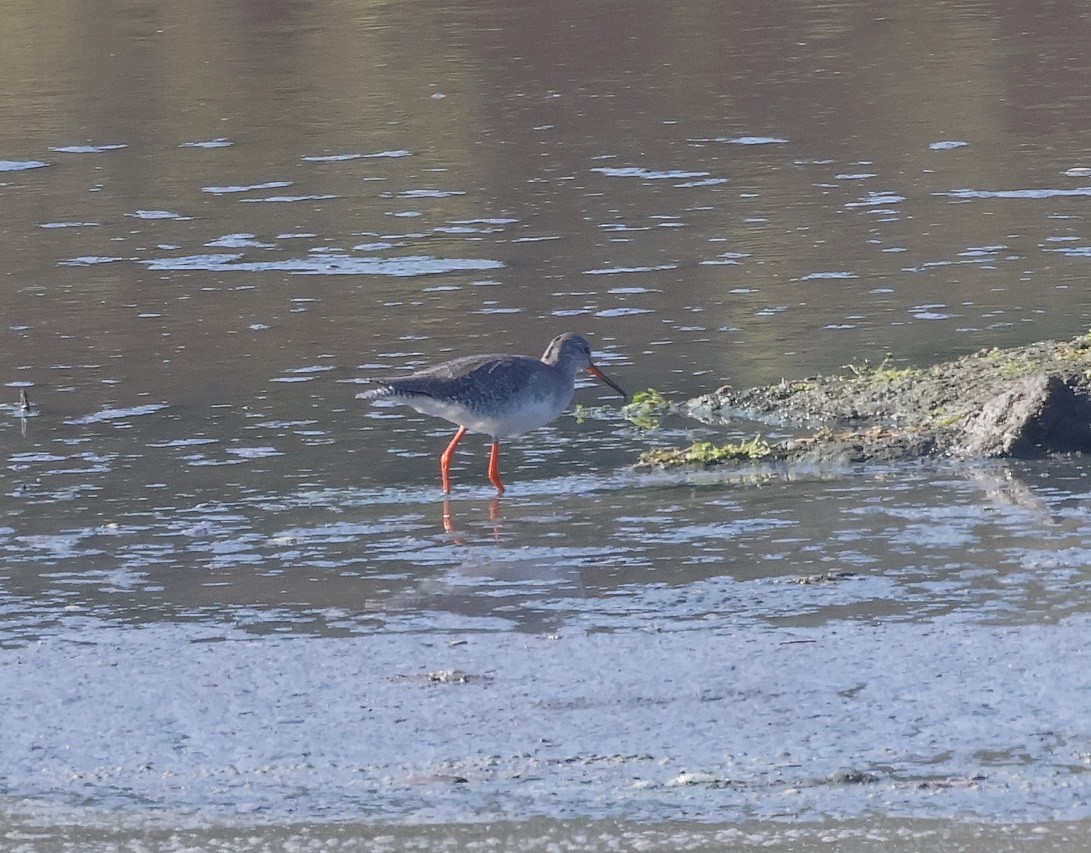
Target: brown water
(218, 219)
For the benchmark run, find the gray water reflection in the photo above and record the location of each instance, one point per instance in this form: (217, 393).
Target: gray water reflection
(720, 195)
(627, 550)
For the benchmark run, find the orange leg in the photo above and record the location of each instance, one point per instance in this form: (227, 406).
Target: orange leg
(494, 467)
(445, 460)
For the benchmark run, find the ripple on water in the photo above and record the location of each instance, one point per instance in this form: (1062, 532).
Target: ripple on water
(123, 414)
(1017, 194)
(289, 199)
(326, 264)
(239, 241)
(394, 153)
(628, 270)
(840, 274)
(87, 149)
(745, 140)
(21, 165)
(875, 199)
(218, 142)
(648, 174)
(159, 214)
(243, 188)
(423, 193)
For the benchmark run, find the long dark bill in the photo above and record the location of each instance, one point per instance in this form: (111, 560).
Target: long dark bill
(598, 374)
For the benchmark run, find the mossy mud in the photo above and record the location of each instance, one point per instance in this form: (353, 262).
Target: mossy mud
(1018, 402)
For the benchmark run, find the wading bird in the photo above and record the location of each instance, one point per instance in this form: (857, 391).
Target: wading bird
(498, 395)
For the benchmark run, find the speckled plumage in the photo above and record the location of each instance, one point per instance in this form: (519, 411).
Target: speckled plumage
(499, 395)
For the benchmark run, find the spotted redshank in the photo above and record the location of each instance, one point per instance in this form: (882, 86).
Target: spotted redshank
(498, 395)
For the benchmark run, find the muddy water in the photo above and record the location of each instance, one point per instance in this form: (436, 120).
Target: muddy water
(231, 597)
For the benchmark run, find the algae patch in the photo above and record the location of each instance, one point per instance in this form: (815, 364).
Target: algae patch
(883, 372)
(710, 453)
(646, 409)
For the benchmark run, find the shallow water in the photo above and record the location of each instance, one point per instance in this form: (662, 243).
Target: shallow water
(231, 596)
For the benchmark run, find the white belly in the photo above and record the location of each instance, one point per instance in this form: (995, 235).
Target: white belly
(528, 413)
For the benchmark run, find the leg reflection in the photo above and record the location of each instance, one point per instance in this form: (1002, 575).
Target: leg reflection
(449, 519)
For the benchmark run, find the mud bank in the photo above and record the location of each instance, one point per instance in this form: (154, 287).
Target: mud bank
(1018, 402)
(707, 716)
(885, 836)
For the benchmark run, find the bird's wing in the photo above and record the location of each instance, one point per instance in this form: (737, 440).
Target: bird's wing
(460, 379)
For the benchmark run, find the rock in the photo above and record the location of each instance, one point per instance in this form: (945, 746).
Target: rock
(1022, 401)
(825, 577)
(695, 778)
(1032, 415)
(851, 777)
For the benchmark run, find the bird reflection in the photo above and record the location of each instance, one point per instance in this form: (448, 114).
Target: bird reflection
(24, 410)
(449, 519)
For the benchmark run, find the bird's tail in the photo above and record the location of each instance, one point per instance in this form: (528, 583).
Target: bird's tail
(381, 389)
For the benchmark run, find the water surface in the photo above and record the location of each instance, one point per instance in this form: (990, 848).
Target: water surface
(232, 596)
